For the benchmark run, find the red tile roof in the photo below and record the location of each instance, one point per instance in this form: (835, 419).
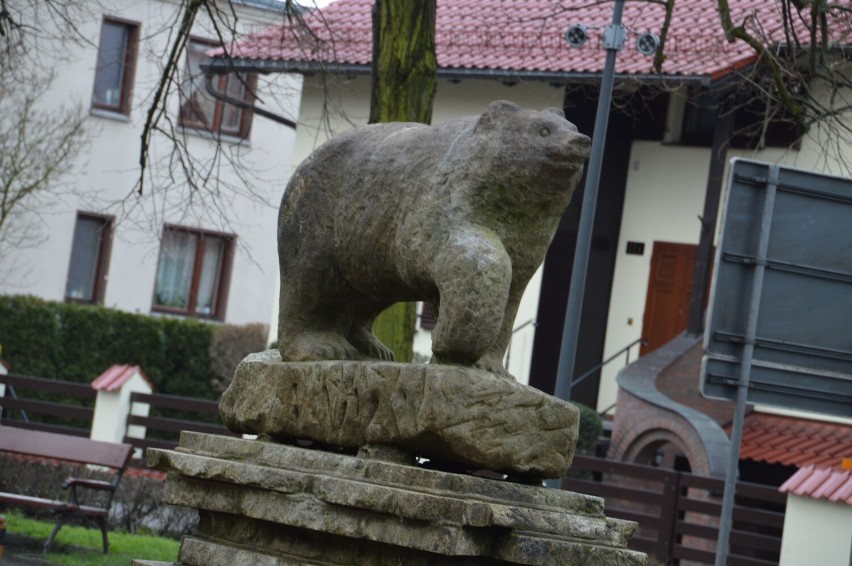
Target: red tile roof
(526, 36)
(792, 441)
(116, 376)
(821, 483)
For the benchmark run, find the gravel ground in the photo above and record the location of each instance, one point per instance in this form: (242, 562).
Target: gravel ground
(22, 551)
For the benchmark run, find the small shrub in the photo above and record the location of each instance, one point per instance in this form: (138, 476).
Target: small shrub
(138, 507)
(591, 428)
(229, 345)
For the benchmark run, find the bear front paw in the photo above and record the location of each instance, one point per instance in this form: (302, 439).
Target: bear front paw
(494, 365)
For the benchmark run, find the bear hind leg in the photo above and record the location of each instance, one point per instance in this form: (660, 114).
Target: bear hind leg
(315, 345)
(308, 330)
(361, 335)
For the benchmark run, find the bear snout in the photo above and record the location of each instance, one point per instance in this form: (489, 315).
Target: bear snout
(582, 145)
(572, 149)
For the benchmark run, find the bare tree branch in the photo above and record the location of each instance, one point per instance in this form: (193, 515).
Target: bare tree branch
(158, 106)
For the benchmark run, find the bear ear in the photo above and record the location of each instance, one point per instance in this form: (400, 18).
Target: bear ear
(554, 110)
(495, 113)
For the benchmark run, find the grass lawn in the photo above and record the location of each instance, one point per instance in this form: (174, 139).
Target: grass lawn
(80, 546)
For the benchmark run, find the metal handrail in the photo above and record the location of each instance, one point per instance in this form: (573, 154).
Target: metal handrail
(11, 389)
(532, 321)
(609, 359)
(524, 325)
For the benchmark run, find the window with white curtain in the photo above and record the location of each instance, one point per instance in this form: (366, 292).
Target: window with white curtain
(193, 272)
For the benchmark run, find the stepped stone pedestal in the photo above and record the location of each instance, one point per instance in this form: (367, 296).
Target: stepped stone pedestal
(272, 504)
(364, 493)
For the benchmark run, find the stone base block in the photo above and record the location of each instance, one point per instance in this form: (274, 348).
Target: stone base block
(272, 504)
(446, 413)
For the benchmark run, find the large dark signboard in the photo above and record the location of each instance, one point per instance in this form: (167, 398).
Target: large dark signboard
(785, 259)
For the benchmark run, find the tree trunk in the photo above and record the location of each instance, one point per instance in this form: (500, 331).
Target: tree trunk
(404, 62)
(403, 87)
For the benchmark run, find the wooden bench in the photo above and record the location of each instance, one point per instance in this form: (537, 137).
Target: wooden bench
(69, 449)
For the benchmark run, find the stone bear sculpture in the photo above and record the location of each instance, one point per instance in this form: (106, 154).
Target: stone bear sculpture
(459, 215)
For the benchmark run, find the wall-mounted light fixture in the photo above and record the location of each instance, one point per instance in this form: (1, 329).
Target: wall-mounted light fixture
(576, 35)
(647, 43)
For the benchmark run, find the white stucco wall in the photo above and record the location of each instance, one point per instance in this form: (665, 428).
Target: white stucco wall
(816, 531)
(3, 371)
(108, 169)
(344, 103)
(112, 407)
(662, 202)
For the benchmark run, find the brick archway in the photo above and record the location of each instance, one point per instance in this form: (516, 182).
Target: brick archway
(652, 427)
(646, 418)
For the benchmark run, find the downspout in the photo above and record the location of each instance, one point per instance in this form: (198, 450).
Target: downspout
(712, 196)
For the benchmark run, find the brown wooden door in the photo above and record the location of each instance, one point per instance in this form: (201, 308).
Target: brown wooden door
(669, 288)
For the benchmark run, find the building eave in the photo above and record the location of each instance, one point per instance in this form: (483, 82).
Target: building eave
(308, 68)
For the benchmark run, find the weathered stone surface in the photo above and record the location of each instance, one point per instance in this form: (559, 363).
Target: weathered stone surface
(447, 413)
(272, 504)
(459, 215)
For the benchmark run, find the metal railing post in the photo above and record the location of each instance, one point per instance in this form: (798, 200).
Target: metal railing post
(731, 474)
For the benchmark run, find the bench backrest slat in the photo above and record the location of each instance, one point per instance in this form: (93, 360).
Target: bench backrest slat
(62, 447)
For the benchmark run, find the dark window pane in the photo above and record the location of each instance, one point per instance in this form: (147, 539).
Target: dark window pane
(109, 79)
(427, 317)
(174, 274)
(85, 257)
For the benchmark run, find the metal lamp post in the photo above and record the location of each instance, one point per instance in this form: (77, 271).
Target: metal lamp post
(614, 36)
(613, 40)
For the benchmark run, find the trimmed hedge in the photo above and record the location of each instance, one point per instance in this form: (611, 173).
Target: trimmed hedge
(77, 343)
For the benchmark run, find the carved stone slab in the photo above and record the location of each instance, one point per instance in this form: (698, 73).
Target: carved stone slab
(273, 504)
(445, 413)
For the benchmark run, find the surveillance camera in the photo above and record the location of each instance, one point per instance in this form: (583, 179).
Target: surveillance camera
(576, 35)
(648, 43)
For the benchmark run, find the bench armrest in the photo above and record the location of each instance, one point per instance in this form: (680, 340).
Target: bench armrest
(94, 484)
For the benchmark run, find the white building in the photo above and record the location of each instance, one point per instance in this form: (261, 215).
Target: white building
(172, 250)
(818, 521)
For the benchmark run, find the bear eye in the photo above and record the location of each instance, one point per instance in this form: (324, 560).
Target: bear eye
(544, 132)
